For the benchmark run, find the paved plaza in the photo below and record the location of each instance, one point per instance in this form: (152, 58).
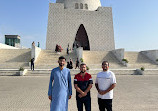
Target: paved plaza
(29, 93)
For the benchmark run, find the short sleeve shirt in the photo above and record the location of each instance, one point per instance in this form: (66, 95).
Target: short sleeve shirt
(104, 81)
(83, 83)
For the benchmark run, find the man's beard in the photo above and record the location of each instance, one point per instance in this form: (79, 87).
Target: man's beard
(83, 71)
(61, 65)
(105, 69)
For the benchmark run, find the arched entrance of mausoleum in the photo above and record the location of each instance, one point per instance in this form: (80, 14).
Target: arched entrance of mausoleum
(81, 39)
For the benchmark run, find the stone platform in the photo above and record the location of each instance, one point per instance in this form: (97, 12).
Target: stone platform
(29, 93)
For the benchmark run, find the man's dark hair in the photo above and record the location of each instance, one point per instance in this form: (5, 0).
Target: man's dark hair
(105, 62)
(82, 64)
(62, 57)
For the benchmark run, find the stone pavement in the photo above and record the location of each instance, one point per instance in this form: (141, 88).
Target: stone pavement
(29, 93)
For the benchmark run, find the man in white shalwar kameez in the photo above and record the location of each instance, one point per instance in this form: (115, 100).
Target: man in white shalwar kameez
(61, 90)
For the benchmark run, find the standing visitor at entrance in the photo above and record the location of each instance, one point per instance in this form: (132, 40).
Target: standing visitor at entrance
(38, 44)
(67, 51)
(68, 65)
(105, 83)
(71, 64)
(33, 43)
(83, 83)
(32, 64)
(77, 63)
(61, 90)
(56, 48)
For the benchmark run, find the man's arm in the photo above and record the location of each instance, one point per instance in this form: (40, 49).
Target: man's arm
(78, 89)
(109, 89)
(96, 85)
(50, 86)
(90, 85)
(69, 85)
(83, 93)
(113, 82)
(87, 90)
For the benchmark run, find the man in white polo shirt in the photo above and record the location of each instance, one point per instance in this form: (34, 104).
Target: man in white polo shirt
(105, 82)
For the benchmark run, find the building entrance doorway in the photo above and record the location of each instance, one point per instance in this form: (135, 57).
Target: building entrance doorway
(81, 39)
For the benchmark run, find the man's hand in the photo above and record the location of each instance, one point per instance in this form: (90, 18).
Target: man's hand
(102, 92)
(50, 97)
(69, 97)
(80, 95)
(84, 94)
(98, 90)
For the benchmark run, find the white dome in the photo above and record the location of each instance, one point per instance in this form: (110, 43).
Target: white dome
(80, 4)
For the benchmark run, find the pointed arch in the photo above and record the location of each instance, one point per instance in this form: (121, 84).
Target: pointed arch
(81, 38)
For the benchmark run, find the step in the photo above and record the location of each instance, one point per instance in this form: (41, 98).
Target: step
(46, 72)
(9, 72)
(10, 65)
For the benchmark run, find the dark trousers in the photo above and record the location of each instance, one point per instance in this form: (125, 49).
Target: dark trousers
(105, 103)
(86, 101)
(32, 66)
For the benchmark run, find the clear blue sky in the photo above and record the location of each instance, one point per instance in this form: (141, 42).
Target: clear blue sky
(135, 22)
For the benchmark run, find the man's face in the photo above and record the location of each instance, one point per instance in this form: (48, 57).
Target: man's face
(83, 68)
(61, 62)
(105, 66)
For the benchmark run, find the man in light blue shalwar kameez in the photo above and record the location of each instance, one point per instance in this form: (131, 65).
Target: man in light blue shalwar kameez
(61, 90)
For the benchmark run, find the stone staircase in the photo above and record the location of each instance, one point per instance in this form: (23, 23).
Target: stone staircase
(11, 60)
(138, 60)
(49, 59)
(94, 59)
(14, 58)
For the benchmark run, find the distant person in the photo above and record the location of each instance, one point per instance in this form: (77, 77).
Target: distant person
(105, 83)
(77, 63)
(67, 50)
(32, 64)
(83, 83)
(73, 46)
(60, 88)
(33, 43)
(38, 44)
(68, 65)
(56, 48)
(71, 64)
(60, 48)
